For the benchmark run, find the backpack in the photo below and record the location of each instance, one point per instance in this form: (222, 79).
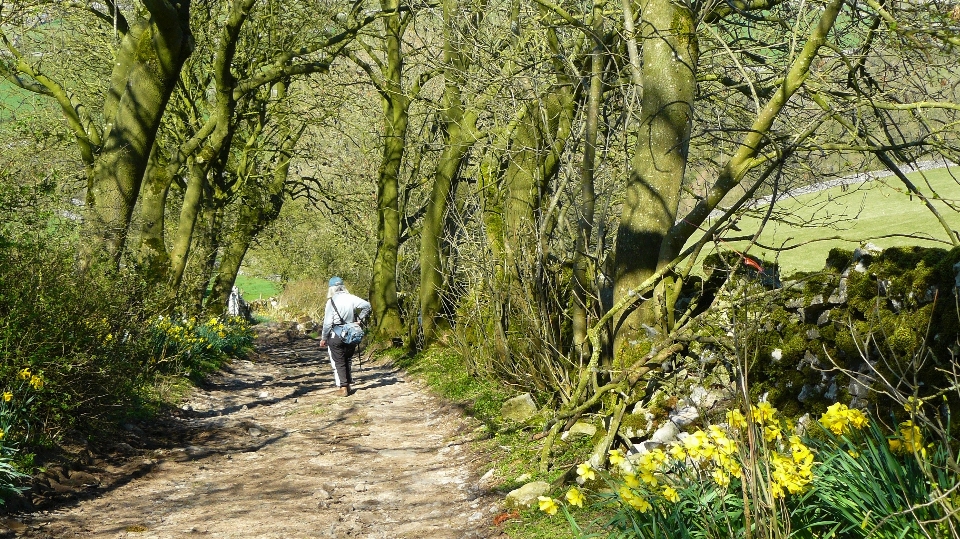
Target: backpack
(351, 333)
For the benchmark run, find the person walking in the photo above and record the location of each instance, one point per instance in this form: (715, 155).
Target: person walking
(342, 308)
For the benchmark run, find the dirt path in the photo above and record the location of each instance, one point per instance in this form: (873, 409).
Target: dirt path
(267, 450)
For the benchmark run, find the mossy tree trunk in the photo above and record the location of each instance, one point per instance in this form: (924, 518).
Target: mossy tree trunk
(151, 57)
(153, 258)
(669, 66)
(459, 135)
(584, 270)
(395, 104)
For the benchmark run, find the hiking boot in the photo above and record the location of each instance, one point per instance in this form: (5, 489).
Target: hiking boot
(344, 391)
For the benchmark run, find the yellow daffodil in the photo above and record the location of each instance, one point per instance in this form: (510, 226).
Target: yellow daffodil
(720, 477)
(913, 404)
(788, 475)
(658, 456)
(857, 419)
(650, 462)
(640, 504)
(670, 494)
(24, 373)
(7, 396)
(575, 497)
(616, 457)
(838, 418)
(801, 453)
(633, 500)
(547, 505)
(763, 412)
(36, 382)
(2, 434)
(736, 420)
(912, 440)
(677, 452)
(585, 471)
(771, 432)
(648, 478)
(631, 480)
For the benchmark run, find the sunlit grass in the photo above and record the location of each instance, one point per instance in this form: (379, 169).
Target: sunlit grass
(255, 287)
(879, 211)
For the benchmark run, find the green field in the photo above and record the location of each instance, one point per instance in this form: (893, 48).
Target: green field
(878, 211)
(255, 288)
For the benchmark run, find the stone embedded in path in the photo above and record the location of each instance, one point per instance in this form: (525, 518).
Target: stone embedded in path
(519, 408)
(526, 495)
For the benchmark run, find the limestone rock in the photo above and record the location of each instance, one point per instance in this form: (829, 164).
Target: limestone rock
(582, 429)
(666, 434)
(526, 495)
(684, 416)
(519, 408)
(486, 481)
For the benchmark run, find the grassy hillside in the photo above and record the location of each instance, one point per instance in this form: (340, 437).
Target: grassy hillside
(254, 287)
(878, 211)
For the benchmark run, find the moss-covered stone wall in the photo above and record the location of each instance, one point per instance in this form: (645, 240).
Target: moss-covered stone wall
(871, 319)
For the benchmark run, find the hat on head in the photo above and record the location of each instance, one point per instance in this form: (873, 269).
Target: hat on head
(336, 281)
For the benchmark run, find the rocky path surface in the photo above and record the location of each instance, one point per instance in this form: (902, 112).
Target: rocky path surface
(268, 450)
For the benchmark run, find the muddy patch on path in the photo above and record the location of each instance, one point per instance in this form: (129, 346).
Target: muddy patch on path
(266, 449)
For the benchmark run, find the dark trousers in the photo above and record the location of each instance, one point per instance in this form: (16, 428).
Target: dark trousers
(341, 359)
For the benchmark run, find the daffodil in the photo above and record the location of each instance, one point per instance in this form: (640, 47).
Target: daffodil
(24, 373)
(633, 500)
(36, 382)
(648, 478)
(631, 480)
(912, 440)
(585, 471)
(640, 504)
(720, 477)
(616, 457)
(575, 497)
(7, 396)
(838, 418)
(547, 505)
(677, 451)
(736, 420)
(763, 412)
(913, 404)
(670, 494)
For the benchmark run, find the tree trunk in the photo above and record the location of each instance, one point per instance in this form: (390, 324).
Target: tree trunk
(670, 55)
(192, 205)
(151, 59)
(432, 275)
(383, 293)
(583, 270)
(256, 212)
(153, 258)
(459, 133)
